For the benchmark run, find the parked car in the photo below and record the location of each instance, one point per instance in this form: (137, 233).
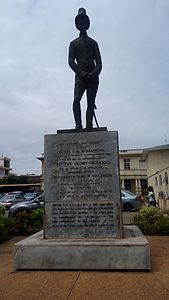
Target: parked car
(31, 195)
(1, 195)
(9, 199)
(27, 206)
(130, 202)
(16, 192)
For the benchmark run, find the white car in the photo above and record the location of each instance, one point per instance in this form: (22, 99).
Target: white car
(9, 199)
(130, 202)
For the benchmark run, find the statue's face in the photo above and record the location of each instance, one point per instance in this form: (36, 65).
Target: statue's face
(82, 22)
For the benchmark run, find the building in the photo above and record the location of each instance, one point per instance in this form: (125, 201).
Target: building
(157, 162)
(41, 158)
(133, 170)
(4, 166)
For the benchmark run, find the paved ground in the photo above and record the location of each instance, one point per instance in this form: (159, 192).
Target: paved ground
(87, 285)
(127, 217)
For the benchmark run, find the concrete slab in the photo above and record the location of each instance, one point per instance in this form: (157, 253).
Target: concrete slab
(130, 253)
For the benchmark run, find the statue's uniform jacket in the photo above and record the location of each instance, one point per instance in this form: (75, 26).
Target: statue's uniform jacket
(86, 52)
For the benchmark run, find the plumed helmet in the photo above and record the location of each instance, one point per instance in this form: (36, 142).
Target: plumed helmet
(82, 20)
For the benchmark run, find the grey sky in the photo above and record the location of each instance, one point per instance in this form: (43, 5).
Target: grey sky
(36, 83)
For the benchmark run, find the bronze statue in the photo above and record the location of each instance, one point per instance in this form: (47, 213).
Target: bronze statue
(85, 61)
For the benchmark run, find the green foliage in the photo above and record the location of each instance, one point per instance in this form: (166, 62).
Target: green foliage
(13, 179)
(37, 218)
(22, 224)
(26, 224)
(151, 221)
(3, 225)
(2, 211)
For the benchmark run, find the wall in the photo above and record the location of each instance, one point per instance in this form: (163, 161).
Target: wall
(157, 169)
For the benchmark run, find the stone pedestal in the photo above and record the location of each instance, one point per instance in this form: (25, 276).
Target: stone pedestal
(82, 189)
(83, 218)
(129, 253)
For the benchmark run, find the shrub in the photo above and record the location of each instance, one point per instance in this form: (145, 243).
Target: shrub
(26, 224)
(5, 225)
(23, 224)
(151, 221)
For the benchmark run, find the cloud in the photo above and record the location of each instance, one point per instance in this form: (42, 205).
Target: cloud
(36, 83)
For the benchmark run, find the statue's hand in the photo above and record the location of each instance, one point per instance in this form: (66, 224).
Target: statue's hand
(84, 74)
(91, 75)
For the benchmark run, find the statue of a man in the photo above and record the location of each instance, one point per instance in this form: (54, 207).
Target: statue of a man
(85, 61)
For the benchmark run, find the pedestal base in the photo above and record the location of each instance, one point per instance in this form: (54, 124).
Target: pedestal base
(129, 253)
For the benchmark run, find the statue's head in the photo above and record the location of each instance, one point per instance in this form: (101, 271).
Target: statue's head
(82, 21)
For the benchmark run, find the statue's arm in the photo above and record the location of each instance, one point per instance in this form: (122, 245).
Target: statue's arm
(71, 59)
(73, 64)
(98, 61)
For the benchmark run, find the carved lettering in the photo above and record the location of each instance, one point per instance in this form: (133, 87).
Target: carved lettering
(82, 214)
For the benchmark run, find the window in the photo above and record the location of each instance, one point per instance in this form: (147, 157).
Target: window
(156, 181)
(6, 172)
(143, 185)
(127, 184)
(166, 178)
(160, 180)
(6, 163)
(142, 164)
(126, 163)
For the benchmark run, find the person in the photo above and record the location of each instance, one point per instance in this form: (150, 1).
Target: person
(142, 198)
(151, 196)
(85, 61)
